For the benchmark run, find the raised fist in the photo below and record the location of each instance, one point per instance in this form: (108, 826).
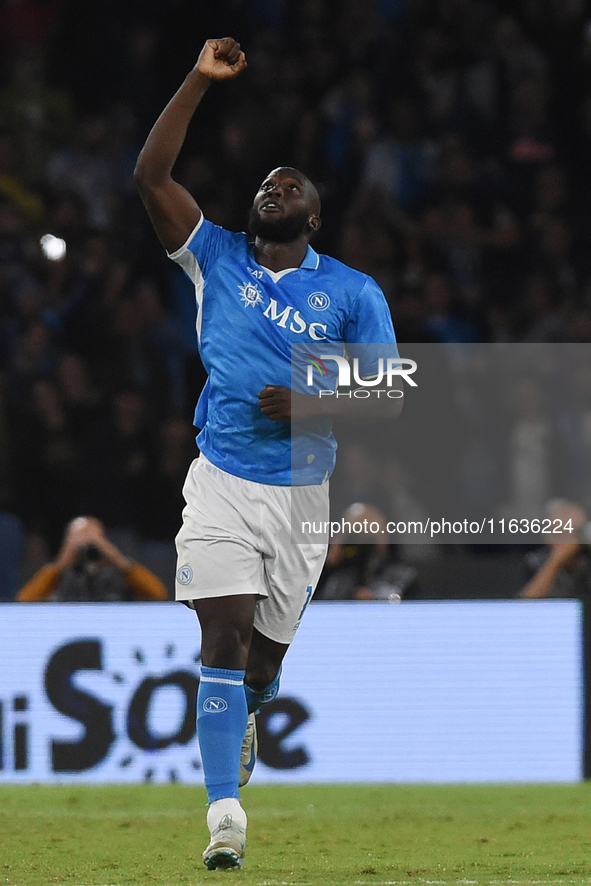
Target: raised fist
(221, 59)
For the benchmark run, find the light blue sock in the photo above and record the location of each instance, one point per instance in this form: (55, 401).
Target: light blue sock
(255, 700)
(221, 724)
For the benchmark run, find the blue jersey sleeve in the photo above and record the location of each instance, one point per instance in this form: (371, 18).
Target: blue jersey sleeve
(370, 319)
(202, 249)
(370, 324)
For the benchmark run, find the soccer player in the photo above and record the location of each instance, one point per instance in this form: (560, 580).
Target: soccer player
(237, 566)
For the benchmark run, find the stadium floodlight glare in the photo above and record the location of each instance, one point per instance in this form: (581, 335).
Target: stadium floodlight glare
(53, 248)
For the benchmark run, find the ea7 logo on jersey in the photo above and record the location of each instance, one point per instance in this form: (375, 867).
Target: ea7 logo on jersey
(255, 272)
(250, 294)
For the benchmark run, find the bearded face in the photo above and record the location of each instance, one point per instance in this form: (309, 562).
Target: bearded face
(280, 227)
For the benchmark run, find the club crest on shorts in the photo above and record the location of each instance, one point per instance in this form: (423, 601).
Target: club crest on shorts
(250, 294)
(184, 575)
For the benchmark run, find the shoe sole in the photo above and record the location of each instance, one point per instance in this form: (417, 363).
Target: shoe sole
(223, 859)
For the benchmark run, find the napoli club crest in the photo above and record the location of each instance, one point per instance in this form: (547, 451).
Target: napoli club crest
(319, 301)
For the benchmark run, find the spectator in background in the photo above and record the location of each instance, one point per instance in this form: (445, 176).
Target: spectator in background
(12, 542)
(26, 24)
(81, 398)
(369, 243)
(442, 319)
(555, 258)
(161, 498)
(15, 245)
(11, 527)
(34, 354)
(140, 85)
(39, 117)
(361, 566)
(350, 125)
(561, 569)
(88, 169)
(149, 347)
(47, 463)
(544, 321)
(89, 568)
(13, 185)
(507, 57)
(464, 230)
(399, 167)
(532, 452)
(67, 217)
(118, 450)
(530, 141)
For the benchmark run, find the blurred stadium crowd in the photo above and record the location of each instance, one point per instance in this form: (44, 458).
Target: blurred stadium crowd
(450, 142)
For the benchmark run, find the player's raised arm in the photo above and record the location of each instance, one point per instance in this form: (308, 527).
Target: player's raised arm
(173, 211)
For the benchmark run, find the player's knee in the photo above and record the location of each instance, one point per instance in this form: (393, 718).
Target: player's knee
(225, 649)
(260, 674)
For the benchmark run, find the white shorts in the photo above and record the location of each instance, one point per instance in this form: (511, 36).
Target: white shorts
(236, 539)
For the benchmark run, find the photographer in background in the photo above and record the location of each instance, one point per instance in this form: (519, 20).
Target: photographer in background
(561, 569)
(364, 567)
(90, 569)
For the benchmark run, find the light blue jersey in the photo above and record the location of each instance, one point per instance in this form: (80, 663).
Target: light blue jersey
(247, 320)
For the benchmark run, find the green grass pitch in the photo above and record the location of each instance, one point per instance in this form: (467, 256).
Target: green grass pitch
(329, 835)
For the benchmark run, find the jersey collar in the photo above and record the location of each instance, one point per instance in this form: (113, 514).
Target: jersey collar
(311, 260)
